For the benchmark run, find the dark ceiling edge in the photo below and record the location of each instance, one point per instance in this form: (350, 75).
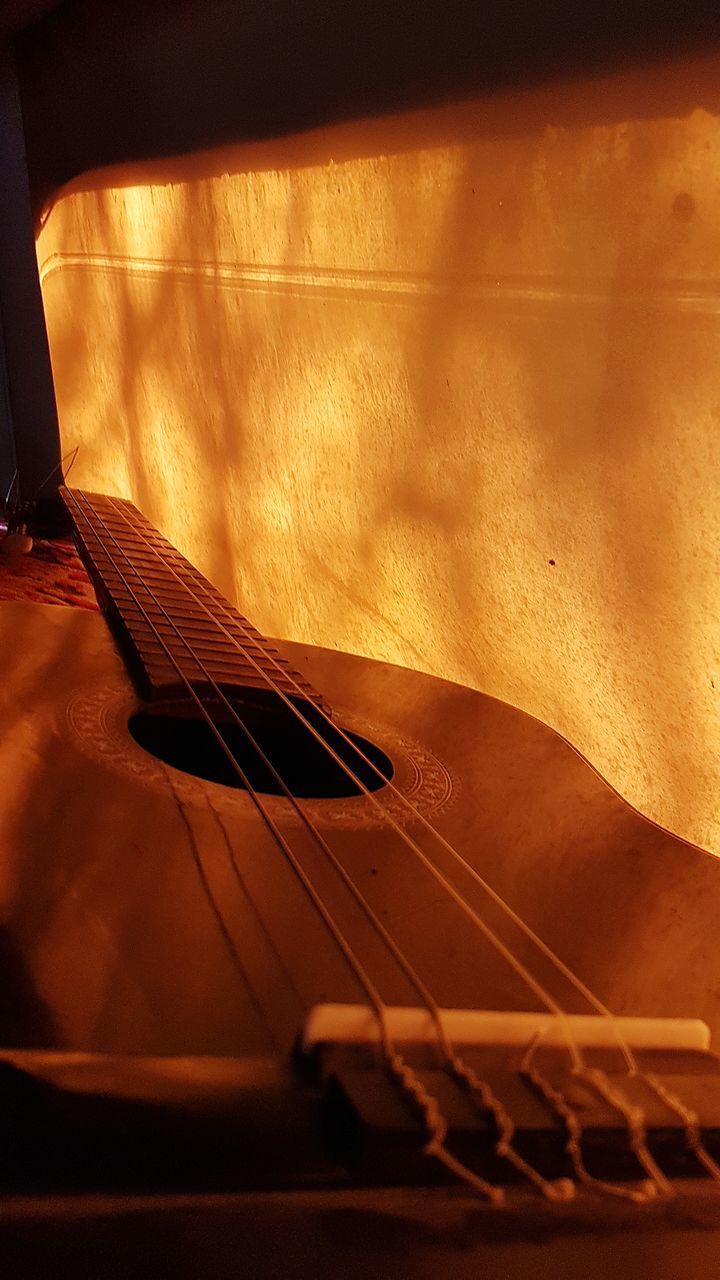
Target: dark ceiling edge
(17, 15)
(104, 84)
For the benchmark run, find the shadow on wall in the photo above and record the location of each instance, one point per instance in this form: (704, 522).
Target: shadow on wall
(450, 401)
(103, 84)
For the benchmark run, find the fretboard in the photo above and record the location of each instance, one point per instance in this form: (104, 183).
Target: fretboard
(169, 619)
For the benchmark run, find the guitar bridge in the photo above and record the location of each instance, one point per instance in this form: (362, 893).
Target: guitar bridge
(672, 1092)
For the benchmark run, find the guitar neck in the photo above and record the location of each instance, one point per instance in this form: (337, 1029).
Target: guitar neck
(174, 627)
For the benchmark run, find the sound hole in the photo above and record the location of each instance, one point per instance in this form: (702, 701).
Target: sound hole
(304, 764)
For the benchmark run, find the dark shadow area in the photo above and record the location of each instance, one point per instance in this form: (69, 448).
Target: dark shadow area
(104, 85)
(25, 1020)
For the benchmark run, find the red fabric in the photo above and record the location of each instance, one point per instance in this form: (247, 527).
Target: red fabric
(52, 573)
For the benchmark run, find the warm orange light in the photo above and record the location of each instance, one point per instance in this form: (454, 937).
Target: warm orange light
(451, 403)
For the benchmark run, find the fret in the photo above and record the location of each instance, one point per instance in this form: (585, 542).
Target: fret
(226, 661)
(163, 604)
(195, 630)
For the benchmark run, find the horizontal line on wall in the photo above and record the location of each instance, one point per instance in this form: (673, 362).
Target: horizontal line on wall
(400, 287)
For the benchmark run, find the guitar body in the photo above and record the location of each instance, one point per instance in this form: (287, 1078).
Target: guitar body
(149, 912)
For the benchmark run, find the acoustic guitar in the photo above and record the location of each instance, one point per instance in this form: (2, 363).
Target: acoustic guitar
(314, 965)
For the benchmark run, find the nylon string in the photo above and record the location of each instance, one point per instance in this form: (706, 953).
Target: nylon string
(688, 1117)
(423, 1101)
(463, 1074)
(633, 1115)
